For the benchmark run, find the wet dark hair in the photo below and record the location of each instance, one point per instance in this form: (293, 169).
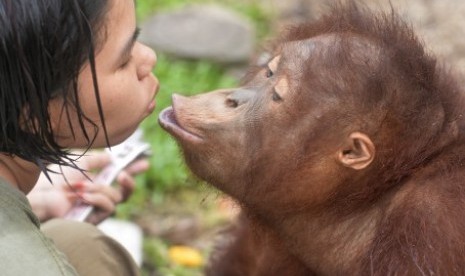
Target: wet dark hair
(43, 47)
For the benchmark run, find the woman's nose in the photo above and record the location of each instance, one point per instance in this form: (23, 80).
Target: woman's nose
(148, 60)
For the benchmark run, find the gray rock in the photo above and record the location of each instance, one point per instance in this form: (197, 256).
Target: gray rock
(201, 32)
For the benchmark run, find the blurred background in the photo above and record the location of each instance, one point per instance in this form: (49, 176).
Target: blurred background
(204, 45)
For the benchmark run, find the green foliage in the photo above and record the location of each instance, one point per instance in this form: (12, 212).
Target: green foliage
(148, 7)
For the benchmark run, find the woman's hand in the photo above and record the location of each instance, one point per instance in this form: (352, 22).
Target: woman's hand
(50, 200)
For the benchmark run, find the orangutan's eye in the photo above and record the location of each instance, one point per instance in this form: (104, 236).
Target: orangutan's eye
(269, 73)
(276, 96)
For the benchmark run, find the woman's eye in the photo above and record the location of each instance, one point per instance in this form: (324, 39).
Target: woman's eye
(276, 97)
(126, 63)
(269, 73)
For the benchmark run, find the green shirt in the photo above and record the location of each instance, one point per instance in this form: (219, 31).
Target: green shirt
(24, 250)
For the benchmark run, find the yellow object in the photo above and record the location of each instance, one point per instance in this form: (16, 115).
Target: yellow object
(185, 256)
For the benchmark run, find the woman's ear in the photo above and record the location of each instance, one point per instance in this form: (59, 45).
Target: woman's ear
(358, 151)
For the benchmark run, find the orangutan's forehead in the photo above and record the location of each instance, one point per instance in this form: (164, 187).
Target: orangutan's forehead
(322, 47)
(300, 49)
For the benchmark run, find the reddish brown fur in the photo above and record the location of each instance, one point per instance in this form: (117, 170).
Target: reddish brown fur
(308, 212)
(248, 249)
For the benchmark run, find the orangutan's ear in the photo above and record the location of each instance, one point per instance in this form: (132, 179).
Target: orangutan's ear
(358, 151)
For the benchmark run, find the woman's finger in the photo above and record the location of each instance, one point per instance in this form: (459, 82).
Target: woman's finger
(138, 166)
(126, 184)
(99, 201)
(112, 193)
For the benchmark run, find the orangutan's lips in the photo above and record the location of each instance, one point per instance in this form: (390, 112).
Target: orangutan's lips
(167, 120)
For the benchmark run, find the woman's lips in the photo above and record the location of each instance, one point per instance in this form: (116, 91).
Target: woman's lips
(155, 88)
(152, 106)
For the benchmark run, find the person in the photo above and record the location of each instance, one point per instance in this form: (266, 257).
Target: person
(72, 75)
(52, 202)
(54, 197)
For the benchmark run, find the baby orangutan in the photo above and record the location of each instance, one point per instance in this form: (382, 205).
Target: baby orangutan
(346, 152)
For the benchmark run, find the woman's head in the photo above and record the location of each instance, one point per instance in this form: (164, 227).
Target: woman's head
(60, 83)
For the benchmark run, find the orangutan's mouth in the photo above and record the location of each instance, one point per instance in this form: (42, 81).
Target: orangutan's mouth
(168, 122)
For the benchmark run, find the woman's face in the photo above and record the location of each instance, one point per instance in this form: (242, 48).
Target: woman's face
(126, 84)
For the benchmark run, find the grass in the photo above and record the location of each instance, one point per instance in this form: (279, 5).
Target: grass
(168, 182)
